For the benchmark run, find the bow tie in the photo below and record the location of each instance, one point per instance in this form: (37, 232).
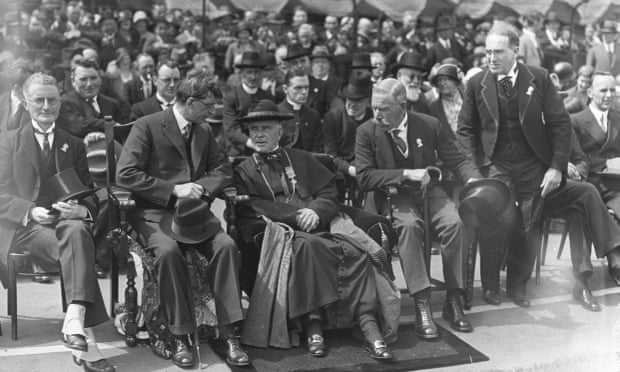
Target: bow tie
(270, 156)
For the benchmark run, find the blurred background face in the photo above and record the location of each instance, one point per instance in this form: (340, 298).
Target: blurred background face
(603, 91)
(146, 66)
(86, 81)
(331, 23)
(297, 89)
(320, 67)
(167, 82)
(302, 63)
(356, 108)
(251, 77)
(265, 135)
(108, 27)
(446, 86)
(378, 65)
(584, 82)
(161, 29)
(609, 37)
(300, 17)
(43, 104)
(304, 35)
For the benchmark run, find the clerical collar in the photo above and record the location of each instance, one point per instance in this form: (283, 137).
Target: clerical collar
(296, 106)
(249, 90)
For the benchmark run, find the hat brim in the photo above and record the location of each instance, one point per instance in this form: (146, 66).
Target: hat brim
(433, 79)
(165, 224)
(265, 116)
(77, 195)
(241, 65)
(214, 121)
(469, 217)
(398, 66)
(362, 67)
(327, 57)
(305, 54)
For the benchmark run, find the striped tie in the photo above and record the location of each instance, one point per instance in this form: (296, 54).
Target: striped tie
(399, 142)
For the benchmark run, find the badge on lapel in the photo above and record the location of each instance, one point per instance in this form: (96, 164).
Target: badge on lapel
(64, 147)
(418, 141)
(530, 90)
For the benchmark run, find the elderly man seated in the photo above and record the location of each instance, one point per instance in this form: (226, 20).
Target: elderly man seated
(330, 279)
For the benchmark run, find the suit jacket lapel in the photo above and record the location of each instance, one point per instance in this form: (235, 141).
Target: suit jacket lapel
(413, 137)
(198, 144)
(59, 149)
(489, 95)
(29, 147)
(525, 80)
(593, 128)
(383, 149)
(172, 132)
(613, 120)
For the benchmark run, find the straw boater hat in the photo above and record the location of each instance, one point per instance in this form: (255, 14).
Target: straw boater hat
(265, 110)
(191, 222)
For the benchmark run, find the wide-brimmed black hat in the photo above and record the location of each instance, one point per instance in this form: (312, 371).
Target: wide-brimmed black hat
(444, 24)
(67, 185)
(295, 51)
(359, 86)
(410, 60)
(250, 60)
(265, 110)
(191, 222)
(361, 61)
(447, 69)
(483, 201)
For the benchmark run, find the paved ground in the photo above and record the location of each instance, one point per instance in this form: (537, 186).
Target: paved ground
(555, 334)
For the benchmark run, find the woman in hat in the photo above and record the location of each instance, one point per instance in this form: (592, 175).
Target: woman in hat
(244, 43)
(447, 81)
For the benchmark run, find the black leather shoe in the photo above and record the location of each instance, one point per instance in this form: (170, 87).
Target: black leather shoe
(491, 298)
(182, 355)
(519, 299)
(453, 313)
(425, 327)
(583, 295)
(378, 350)
(75, 342)
(614, 272)
(43, 279)
(99, 272)
(235, 355)
(100, 365)
(316, 346)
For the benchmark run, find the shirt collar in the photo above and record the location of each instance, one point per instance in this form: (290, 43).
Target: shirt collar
(248, 90)
(296, 106)
(596, 111)
(181, 121)
(512, 74)
(163, 101)
(37, 127)
(402, 126)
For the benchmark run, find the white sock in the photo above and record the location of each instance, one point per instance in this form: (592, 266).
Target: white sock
(74, 320)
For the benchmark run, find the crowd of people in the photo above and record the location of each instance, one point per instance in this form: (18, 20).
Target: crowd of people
(412, 115)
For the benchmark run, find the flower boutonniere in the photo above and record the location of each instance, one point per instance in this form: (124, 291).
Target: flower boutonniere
(418, 142)
(64, 147)
(530, 89)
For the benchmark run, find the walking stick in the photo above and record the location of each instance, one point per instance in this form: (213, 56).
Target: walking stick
(192, 272)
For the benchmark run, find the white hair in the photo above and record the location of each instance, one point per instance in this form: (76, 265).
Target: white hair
(392, 88)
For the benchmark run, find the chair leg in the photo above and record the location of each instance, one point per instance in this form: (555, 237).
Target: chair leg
(545, 240)
(63, 298)
(471, 269)
(113, 281)
(538, 254)
(12, 300)
(562, 241)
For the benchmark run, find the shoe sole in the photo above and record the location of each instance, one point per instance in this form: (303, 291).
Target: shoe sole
(237, 364)
(373, 356)
(426, 337)
(76, 348)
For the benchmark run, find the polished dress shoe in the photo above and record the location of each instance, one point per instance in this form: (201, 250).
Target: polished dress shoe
(100, 365)
(99, 272)
(378, 350)
(583, 295)
(43, 279)
(235, 355)
(425, 327)
(519, 299)
(182, 355)
(316, 346)
(453, 313)
(75, 342)
(491, 298)
(614, 272)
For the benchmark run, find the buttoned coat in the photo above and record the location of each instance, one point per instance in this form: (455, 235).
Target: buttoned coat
(79, 118)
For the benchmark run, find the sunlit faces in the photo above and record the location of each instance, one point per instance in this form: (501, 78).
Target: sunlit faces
(446, 86)
(297, 89)
(265, 135)
(356, 108)
(603, 91)
(501, 56)
(167, 82)
(320, 67)
(301, 63)
(43, 103)
(251, 76)
(387, 111)
(146, 65)
(86, 81)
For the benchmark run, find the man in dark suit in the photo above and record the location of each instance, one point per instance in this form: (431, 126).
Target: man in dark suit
(170, 155)
(606, 55)
(446, 45)
(339, 129)
(167, 80)
(514, 125)
(12, 112)
(395, 149)
(239, 100)
(53, 231)
(304, 130)
(141, 87)
(82, 110)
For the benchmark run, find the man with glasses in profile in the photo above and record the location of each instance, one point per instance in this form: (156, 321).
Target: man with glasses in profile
(54, 232)
(172, 155)
(167, 80)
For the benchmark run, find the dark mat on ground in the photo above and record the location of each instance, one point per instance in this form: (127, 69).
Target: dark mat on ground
(345, 353)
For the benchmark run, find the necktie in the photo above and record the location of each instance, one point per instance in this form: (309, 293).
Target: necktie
(186, 131)
(399, 142)
(147, 89)
(47, 148)
(603, 123)
(610, 52)
(91, 101)
(506, 84)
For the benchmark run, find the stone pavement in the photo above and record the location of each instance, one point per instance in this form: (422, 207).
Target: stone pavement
(555, 334)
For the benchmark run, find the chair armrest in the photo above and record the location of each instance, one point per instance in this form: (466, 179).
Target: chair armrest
(121, 197)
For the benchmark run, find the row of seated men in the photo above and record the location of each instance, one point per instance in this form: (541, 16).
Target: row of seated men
(512, 127)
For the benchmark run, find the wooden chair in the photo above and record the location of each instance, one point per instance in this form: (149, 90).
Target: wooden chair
(552, 225)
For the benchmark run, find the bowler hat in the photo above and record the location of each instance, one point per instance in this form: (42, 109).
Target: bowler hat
(552, 17)
(444, 24)
(447, 69)
(361, 61)
(483, 201)
(608, 27)
(191, 222)
(359, 86)
(320, 51)
(409, 60)
(295, 51)
(67, 185)
(265, 110)
(217, 116)
(250, 60)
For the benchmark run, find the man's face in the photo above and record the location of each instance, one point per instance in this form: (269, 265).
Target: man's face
(603, 91)
(305, 36)
(297, 89)
(109, 27)
(378, 65)
(302, 63)
(167, 82)
(86, 81)
(356, 108)
(300, 17)
(330, 23)
(74, 13)
(265, 135)
(251, 76)
(584, 82)
(200, 108)
(43, 103)
(146, 66)
(320, 67)
(388, 113)
(501, 55)
(412, 79)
